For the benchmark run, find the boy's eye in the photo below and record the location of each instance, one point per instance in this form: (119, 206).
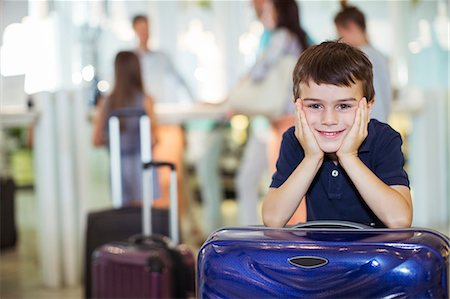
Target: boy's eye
(314, 106)
(344, 106)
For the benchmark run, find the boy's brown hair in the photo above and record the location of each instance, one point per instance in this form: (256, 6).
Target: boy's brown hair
(334, 63)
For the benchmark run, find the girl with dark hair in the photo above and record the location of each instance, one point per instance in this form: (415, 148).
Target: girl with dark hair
(128, 93)
(287, 39)
(287, 16)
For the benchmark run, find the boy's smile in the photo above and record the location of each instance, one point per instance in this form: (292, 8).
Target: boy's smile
(330, 111)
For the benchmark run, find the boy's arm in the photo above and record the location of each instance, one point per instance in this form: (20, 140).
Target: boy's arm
(281, 203)
(391, 204)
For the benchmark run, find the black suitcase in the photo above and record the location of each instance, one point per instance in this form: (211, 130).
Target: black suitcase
(8, 233)
(120, 223)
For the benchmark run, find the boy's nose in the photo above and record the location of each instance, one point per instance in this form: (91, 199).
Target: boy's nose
(329, 117)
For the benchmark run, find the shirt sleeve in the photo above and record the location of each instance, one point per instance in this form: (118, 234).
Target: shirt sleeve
(177, 77)
(390, 162)
(290, 156)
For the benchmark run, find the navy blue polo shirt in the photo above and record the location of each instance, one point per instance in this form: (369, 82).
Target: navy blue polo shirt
(332, 195)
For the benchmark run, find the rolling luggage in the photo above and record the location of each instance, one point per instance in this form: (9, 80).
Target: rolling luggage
(324, 260)
(120, 223)
(8, 234)
(115, 225)
(147, 266)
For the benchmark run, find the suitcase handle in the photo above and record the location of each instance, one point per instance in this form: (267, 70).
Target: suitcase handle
(331, 224)
(128, 112)
(140, 239)
(114, 147)
(173, 207)
(159, 164)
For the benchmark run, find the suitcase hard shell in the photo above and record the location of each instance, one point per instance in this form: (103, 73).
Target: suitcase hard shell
(263, 262)
(116, 225)
(147, 266)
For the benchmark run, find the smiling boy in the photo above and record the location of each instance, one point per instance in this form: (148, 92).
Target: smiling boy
(347, 166)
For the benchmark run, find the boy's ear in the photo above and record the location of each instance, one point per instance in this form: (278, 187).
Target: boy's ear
(370, 105)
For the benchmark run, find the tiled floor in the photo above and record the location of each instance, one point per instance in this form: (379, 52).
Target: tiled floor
(19, 267)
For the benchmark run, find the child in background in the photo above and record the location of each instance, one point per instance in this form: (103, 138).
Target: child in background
(128, 93)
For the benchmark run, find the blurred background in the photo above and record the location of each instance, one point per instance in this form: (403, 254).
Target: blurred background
(57, 61)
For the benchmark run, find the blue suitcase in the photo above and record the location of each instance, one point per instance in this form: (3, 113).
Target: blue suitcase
(324, 260)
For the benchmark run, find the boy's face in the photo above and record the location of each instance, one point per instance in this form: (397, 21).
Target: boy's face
(330, 111)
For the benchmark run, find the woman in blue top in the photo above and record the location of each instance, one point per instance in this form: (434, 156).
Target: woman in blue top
(128, 93)
(287, 39)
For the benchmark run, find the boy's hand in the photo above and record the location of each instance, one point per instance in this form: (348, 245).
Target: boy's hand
(357, 134)
(304, 134)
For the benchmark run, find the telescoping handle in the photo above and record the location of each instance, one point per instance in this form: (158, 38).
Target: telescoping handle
(147, 195)
(331, 224)
(114, 148)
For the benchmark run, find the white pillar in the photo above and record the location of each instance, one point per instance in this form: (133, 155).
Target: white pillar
(428, 158)
(46, 184)
(66, 196)
(81, 159)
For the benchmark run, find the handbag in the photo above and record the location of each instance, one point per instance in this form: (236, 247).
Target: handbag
(268, 96)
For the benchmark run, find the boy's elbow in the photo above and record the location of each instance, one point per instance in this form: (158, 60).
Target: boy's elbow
(400, 222)
(270, 220)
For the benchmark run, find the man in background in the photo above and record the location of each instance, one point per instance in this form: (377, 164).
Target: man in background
(351, 27)
(165, 85)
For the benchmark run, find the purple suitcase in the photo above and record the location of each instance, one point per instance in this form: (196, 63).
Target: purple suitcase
(324, 261)
(120, 222)
(147, 266)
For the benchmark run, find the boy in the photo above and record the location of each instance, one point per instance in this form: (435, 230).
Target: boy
(348, 168)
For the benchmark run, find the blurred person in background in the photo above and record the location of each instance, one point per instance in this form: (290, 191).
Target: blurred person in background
(351, 27)
(165, 85)
(161, 78)
(286, 38)
(128, 93)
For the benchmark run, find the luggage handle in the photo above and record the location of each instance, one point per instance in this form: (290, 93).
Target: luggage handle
(140, 239)
(128, 112)
(114, 147)
(331, 224)
(147, 195)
